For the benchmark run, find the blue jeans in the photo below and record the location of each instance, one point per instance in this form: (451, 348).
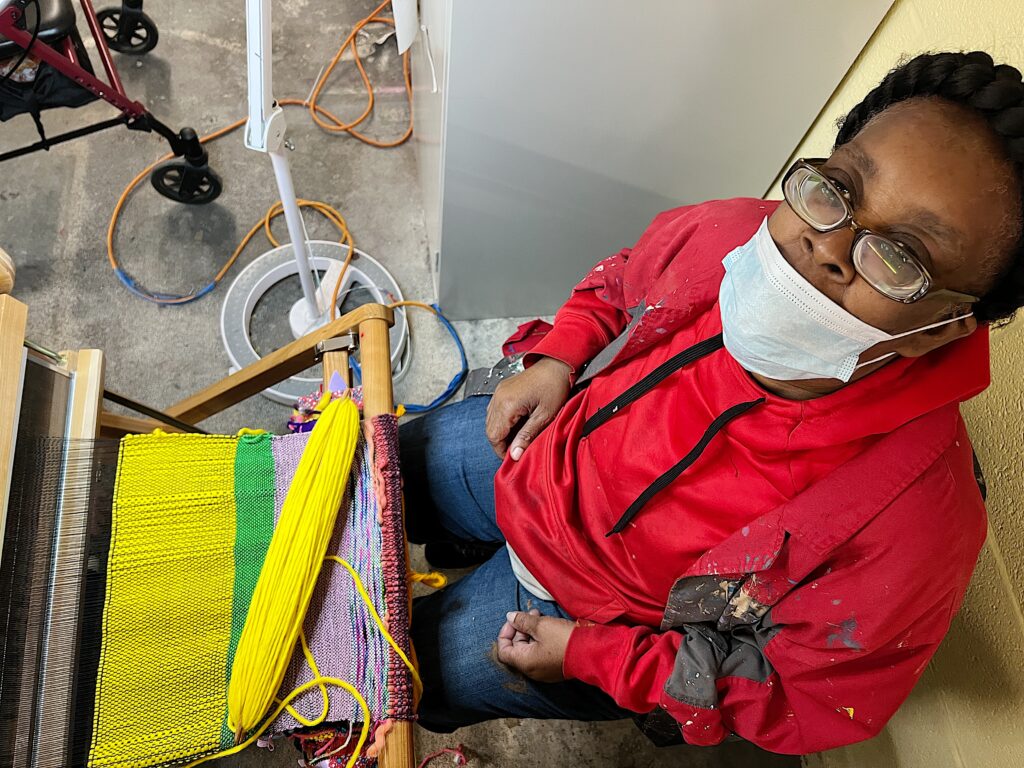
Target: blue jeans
(449, 468)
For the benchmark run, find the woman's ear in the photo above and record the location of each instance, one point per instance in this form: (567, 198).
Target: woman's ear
(922, 343)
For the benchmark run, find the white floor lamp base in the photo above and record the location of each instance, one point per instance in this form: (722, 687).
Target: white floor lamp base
(278, 264)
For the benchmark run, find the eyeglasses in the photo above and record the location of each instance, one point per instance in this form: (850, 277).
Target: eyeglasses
(885, 264)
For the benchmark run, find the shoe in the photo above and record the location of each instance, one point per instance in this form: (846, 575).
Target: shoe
(459, 554)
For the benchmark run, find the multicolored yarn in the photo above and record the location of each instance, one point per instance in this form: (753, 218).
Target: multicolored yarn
(394, 561)
(307, 407)
(193, 516)
(330, 747)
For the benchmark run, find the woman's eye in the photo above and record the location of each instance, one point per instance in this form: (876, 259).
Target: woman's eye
(828, 194)
(838, 177)
(843, 188)
(914, 251)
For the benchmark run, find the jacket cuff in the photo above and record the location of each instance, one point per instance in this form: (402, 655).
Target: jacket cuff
(571, 342)
(589, 649)
(534, 356)
(592, 656)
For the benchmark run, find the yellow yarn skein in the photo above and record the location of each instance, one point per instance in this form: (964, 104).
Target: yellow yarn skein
(291, 567)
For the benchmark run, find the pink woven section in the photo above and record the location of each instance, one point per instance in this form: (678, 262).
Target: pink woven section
(393, 561)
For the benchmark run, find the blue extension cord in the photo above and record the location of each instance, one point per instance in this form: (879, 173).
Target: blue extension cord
(160, 298)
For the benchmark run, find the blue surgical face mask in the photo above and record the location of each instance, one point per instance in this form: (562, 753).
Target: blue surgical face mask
(778, 325)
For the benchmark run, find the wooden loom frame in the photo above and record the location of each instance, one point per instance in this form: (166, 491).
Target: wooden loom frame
(88, 419)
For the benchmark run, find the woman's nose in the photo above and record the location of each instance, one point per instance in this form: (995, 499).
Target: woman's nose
(832, 252)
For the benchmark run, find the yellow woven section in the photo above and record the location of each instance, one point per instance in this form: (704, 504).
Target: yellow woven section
(161, 693)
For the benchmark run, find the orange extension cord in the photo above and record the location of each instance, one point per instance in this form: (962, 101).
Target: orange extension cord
(325, 120)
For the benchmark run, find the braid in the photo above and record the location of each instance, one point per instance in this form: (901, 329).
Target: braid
(996, 91)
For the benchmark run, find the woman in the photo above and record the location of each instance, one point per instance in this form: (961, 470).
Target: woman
(755, 512)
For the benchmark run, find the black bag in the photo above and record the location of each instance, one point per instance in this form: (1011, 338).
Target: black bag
(50, 89)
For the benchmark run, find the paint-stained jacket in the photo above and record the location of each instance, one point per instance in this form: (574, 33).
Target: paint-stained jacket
(823, 550)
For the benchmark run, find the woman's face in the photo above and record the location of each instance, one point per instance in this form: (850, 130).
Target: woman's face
(932, 175)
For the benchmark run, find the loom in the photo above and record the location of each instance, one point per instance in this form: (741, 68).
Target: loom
(128, 559)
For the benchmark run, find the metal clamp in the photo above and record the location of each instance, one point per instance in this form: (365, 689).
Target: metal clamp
(347, 342)
(484, 381)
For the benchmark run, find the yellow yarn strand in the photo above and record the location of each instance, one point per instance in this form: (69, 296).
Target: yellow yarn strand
(416, 682)
(323, 689)
(291, 567)
(318, 681)
(432, 579)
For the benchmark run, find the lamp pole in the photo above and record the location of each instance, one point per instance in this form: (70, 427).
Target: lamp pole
(264, 132)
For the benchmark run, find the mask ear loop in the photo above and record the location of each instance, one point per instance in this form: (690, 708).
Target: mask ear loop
(910, 333)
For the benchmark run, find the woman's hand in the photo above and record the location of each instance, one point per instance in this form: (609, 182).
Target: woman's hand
(534, 644)
(536, 394)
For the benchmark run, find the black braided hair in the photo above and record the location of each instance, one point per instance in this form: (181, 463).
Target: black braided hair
(994, 90)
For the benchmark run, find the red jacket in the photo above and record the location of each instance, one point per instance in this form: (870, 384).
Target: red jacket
(792, 583)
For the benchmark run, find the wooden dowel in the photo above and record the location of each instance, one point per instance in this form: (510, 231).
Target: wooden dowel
(6, 272)
(378, 398)
(399, 746)
(114, 425)
(84, 420)
(336, 362)
(375, 354)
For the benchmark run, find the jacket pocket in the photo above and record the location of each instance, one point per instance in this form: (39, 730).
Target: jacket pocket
(606, 613)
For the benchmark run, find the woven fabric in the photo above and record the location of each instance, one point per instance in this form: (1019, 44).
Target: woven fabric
(339, 629)
(394, 563)
(161, 693)
(255, 502)
(192, 519)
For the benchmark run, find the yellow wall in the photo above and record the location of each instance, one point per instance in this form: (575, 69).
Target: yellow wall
(968, 709)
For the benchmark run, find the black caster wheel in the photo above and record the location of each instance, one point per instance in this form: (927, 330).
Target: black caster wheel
(182, 182)
(128, 30)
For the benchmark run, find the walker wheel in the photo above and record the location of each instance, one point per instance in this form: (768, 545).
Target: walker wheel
(133, 33)
(185, 183)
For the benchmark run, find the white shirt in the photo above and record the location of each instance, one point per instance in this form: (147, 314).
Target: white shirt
(527, 579)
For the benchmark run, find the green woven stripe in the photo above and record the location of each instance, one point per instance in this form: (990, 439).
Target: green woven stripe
(254, 525)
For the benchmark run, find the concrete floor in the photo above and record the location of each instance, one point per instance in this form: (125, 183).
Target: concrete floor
(54, 210)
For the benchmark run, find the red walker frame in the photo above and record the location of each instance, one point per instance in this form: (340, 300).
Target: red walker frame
(188, 181)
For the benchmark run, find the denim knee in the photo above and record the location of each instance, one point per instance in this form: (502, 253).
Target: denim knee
(449, 468)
